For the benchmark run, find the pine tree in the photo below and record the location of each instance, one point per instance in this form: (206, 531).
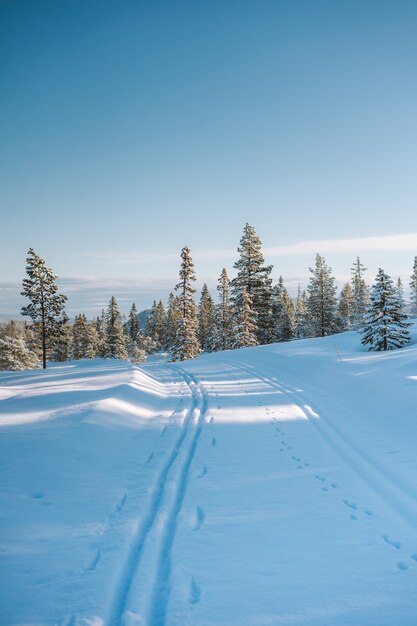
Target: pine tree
(322, 300)
(254, 276)
(413, 289)
(186, 343)
(46, 304)
(173, 315)
(245, 326)
(160, 325)
(385, 327)
(63, 345)
(360, 294)
(80, 337)
(206, 323)
(345, 307)
(15, 354)
(300, 313)
(400, 295)
(133, 323)
(101, 331)
(223, 333)
(116, 340)
(284, 313)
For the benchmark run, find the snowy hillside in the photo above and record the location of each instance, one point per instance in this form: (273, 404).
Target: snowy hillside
(258, 487)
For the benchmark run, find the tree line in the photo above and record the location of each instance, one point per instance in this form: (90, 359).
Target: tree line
(249, 311)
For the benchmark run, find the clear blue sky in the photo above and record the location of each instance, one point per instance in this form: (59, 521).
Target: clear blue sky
(129, 129)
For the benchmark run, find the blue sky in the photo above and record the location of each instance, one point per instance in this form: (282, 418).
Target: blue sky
(129, 129)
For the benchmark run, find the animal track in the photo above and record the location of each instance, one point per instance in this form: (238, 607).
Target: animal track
(199, 518)
(296, 458)
(195, 592)
(320, 478)
(202, 473)
(121, 504)
(37, 495)
(368, 512)
(351, 505)
(150, 457)
(213, 441)
(390, 542)
(92, 566)
(402, 566)
(163, 431)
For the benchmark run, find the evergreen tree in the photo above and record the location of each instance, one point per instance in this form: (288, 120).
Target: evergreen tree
(150, 322)
(284, 313)
(80, 338)
(300, 313)
(223, 333)
(254, 277)
(345, 307)
(116, 340)
(133, 323)
(160, 325)
(186, 343)
(400, 295)
(15, 353)
(63, 345)
(46, 304)
(413, 289)
(173, 316)
(385, 327)
(206, 320)
(101, 332)
(360, 294)
(322, 300)
(245, 326)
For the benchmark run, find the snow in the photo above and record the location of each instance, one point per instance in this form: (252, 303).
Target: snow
(256, 487)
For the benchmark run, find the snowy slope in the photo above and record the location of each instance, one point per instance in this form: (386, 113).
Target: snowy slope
(272, 485)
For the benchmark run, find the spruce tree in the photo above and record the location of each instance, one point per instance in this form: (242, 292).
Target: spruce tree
(206, 322)
(115, 337)
(80, 337)
(284, 313)
(223, 334)
(245, 326)
(413, 289)
(322, 300)
(133, 323)
(186, 344)
(173, 315)
(15, 354)
(400, 295)
(254, 277)
(62, 348)
(300, 313)
(385, 326)
(360, 294)
(46, 304)
(345, 307)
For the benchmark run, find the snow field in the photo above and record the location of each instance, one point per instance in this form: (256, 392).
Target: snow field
(274, 485)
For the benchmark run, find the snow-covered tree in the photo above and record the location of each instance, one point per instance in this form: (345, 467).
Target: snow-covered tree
(360, 294)
(63, 344)
(101, 332)
(254, 277)
(223, 335)
(345, 307)
(245, 326)
(400, 295)
(385, 327)
(173, 315)
(46, 304)
(80, 337)
(156, 324)
(284, 313)
(15, 353)
(133, 323)
(206, 320)
(115, 337)
(322, 300)
(300, 314)
(413, 289)
(186, 344)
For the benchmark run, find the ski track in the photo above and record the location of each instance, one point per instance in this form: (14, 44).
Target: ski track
(172, 497)
(377, 479)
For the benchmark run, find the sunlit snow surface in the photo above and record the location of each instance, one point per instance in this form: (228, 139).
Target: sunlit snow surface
(259, 487)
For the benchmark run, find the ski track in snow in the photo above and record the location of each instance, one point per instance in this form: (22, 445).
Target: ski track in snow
(162, 515)
(376, 478)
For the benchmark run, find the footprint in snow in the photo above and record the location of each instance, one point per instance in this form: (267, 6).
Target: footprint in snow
(150, 457)
(202, 473)
(351, 505)
(121, 504)
(199, 518)
(93, 564)
(213, 441)
(353, 517)
(195, 592)
(414, 557)
(163, 431)
(296, 458)
(368, 512)
(37, 495)
(390, 542)
(402, 566)
(320, 478)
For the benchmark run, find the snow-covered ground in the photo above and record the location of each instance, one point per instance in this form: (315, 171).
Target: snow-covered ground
(260, 487)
